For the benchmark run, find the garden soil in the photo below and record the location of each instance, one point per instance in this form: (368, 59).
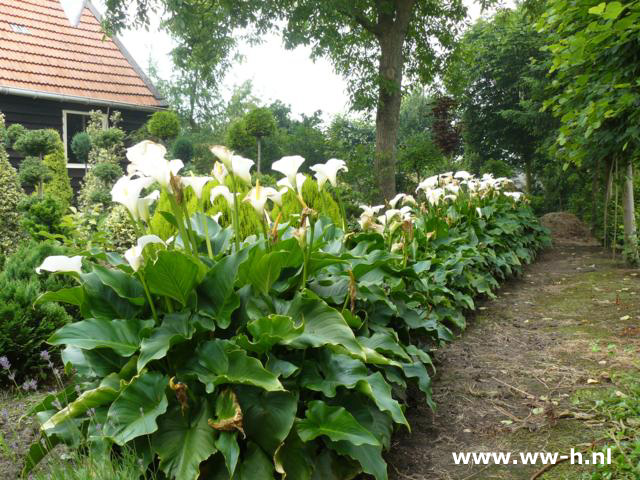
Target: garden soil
(522, 376)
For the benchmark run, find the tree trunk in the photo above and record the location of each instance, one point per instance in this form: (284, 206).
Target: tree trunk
(594, 195)
(388, 114)
(259, 154)
(630, 239)
(391, 32)
(528, 172)
(607, 200)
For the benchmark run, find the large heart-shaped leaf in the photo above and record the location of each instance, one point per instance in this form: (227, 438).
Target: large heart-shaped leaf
(256, 465)
(123, 284)
(121, 336)
(334, 422)
(269, 331)
(172, 275)
(263, 269)
(294, 459)
(216, 296)
(183, 441)
(268, 416)
(220, 362)
(136, 409)
(104, 394)
(72, 296)
(175, 328)
(323, 325)
(101, 301)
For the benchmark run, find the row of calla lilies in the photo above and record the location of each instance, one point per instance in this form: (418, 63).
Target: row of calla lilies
(148, 166)
(286, 355)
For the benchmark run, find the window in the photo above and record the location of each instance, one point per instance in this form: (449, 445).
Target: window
(74, 122)
(19, 28)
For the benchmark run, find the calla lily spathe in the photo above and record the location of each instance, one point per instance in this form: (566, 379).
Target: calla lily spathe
(241, 168)
(145, 203)
(61, 263)
(134, 254)
(143, 151)
(296, 185)
(428, 183)
(289, 166)
(222, 191)
(126, 191)
(224, 154)
(220, 172)
(402, 198)
(196, 183)
(329, 171)
(258, 197)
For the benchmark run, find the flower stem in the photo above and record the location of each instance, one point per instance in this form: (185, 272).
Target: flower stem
(206, 228)
(309, 250)
(180, 221)
(148, 294)
(236, 216)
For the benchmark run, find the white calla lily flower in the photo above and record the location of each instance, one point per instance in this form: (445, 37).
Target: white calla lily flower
(222, 191)
(296, 185)
(142, 151)
(258, 197)
(150, 162)
(126, 191)
(428, 183)
(329, 171)
(224, 154)
(135, 254)
(241, 168)
(289, 167)
(276, 195)
(369, 210)
(463, 175)
(145, 203)
(220, 172)
(515, 195)
(61, 263)
(434, 195)
(196, 183)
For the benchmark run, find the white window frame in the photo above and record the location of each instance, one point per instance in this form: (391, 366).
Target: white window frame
(105, 125)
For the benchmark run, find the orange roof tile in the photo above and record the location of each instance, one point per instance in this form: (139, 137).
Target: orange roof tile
(57, 58)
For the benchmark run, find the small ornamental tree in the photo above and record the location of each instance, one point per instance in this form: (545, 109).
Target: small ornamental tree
(14, 132)
(33, 174)
(59, 186)
(260, 123)
(37, 143)
(164, 125)
(107, 150)
(10, 197)
(81, 146)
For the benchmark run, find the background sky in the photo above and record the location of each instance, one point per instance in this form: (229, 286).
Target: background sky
(276, 73)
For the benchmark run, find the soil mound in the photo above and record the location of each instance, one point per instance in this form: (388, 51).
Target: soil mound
(567, 229)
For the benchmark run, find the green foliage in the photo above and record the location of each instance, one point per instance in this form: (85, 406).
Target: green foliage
(203, 159)
(107, 150)
(81, 146)
(183, 149)
(24, 327)
(259, 122)
(13, 132)
(37, 143)
(33, 173)
(10, 196)
(239, 139)
(164, 125)
(60, 184)
(118, 229)
(42, 215)
(283, 353)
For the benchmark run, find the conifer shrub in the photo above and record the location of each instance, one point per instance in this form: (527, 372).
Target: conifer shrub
(24, 326)
(164, 125)
(59, 187)
(10, 196)
(42, 215)
(13, 132)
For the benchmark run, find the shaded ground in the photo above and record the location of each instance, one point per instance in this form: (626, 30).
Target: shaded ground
(524, 374)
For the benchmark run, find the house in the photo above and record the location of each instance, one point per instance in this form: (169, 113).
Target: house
(55, 69)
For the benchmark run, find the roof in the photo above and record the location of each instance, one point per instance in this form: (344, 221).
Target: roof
(40, 51)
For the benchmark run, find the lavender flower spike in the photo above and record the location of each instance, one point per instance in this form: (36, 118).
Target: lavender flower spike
(4, 363)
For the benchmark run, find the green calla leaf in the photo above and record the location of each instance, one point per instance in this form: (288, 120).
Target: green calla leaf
(172, 275)
(267, 416)
(294, 459)
(121, 336)
(334, 422)
(227, 445)
(183, 441)
(256, 465)
(269, 331)
(175, 328)
(72, 296)
(135, 410)
(220, 362)
(126, 286)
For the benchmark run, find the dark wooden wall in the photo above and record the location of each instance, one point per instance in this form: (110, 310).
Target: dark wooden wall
(35, 113)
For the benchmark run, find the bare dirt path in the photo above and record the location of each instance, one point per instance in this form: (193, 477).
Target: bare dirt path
(520, 377)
